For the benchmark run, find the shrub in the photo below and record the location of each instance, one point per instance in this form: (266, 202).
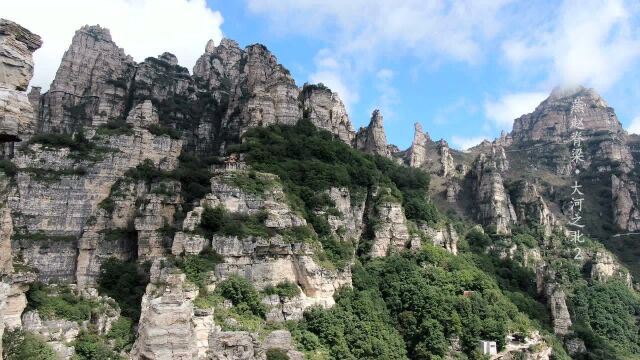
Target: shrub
(60, 304)
(112, 128)
(9, 168)
(160, 130)
(277, 354)
(242, 294)
(212, 219)
(90, 346)
(285, 289)
(125, 282)
(122, 334)
(197, 267)
(23, 345)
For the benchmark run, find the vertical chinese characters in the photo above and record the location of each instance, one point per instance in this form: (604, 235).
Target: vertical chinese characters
(577, 162)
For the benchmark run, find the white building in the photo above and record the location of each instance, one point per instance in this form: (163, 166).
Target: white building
(488, 347)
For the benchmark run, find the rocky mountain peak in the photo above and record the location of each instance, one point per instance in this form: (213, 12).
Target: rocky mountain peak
(373, 139)
(168, 57)
(96, 31)
(552, 119)
(326, 111)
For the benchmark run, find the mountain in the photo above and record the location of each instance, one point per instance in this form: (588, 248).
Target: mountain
(153, 213)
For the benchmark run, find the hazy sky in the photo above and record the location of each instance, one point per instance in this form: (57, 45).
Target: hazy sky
(463, 69)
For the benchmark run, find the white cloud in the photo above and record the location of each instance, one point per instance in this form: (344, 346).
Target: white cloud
(142, 28)
(387, 93)
(464, 143)
(634, 126)
(361, 32)
(334, 72)
(504, 110)
(590, 42)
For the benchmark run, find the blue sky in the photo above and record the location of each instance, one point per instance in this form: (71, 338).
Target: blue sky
(463, 69)
(466, 75)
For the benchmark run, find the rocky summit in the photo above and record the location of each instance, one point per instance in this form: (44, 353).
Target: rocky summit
(152, 212)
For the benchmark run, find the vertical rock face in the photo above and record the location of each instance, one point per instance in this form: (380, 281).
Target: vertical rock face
(559, 312)
(626, 214)
(530, 207)
(91, 83)
(418, 153)
(372, 139)
(16, 69)
(493, 202)
(326, 111)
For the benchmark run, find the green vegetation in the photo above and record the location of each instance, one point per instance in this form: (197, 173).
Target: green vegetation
(122, 334)
(160, 130)
(59, 303)
(81, 147)
(23, 345)
(114, 128)
(252, 182)
(8, 167)
(310, 161)
(410, 305)
(277, 354)
(607, 317)
(285, 289)
(43, 236)
(197, 267)
(89, 346)
(125, 282)
(218, 221)
(242, 294)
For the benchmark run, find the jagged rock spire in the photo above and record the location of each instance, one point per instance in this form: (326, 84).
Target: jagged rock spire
(418, 153)
(372, 139)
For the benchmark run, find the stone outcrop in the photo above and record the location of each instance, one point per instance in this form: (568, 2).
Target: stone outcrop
(166, 329)
(16, 46)
(604, 267)
(446, 237)
(348, 223)
(391, 233)
(492, 199)
(559, 313)
(17, 116)
(268, 262)
(326, 111)
(418, 153)
(372, 139)
(446, 160)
